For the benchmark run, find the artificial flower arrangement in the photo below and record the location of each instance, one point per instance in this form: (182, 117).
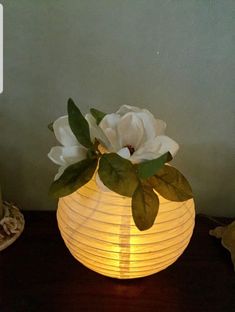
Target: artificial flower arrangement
(128, 152)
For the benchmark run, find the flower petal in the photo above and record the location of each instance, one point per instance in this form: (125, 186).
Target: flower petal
(138, 158)
(154, 148)
(167, 145)
(55, 155)
(108, 124)
(127, 109)
(147, 151)
(97, 132)
(109, 121)
(63, 132)
(149, 124)
(130, 131)
(60, 172)
(112, 136)
(73, 154)
(124, 153)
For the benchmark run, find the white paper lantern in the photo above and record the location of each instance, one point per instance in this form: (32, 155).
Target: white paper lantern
(98, 229)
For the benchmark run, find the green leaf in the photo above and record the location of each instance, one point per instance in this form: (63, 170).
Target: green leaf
(98, 115)
(171, 184)
(50, 126)
(73, 178)
(79, 125)
(149, 168)
(145, 204)
(118, 174)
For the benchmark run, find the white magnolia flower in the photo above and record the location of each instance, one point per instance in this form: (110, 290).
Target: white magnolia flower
(134, 134)
(131, 132)
(71, 150)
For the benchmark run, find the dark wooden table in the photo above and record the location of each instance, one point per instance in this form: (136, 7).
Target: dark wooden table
(39, 274)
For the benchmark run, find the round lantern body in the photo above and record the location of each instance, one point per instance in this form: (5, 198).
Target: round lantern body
(98, 229)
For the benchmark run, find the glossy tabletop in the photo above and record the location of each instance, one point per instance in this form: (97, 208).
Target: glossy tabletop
(37, 273)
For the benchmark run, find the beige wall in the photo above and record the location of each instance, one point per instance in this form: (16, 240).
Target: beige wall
(175, 58)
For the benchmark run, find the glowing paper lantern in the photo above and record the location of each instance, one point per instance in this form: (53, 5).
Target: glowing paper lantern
(99, 231)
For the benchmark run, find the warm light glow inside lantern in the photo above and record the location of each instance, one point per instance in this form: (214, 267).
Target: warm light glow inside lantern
(99, 231)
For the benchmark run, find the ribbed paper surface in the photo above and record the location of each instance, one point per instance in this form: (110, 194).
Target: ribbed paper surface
(98, 229)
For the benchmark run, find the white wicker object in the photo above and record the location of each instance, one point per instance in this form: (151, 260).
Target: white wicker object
(98, 229)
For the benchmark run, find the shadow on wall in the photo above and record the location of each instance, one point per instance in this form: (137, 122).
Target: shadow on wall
(214, 192)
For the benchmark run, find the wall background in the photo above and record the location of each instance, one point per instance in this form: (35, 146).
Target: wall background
(175, 58)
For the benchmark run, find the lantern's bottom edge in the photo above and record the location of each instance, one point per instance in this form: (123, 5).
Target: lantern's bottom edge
(125, 275)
